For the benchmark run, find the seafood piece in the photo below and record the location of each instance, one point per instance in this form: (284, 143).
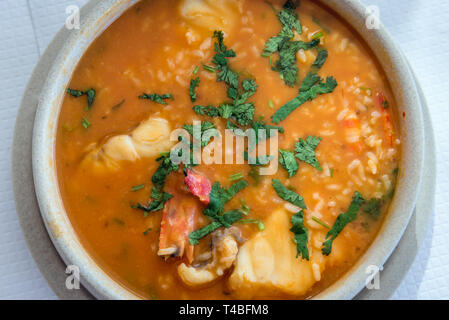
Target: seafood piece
(224, 251)
(211, 14)
(197, 184)
(179, 219)
(267, 263)
(148, 139)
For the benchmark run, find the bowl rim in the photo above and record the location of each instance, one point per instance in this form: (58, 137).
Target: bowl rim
(98, 281)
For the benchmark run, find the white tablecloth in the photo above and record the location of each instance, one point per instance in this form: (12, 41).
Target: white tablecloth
(421, 28)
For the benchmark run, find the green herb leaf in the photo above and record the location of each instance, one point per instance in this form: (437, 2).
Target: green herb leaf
(317, 35)
(312, 77)
(259, 223)
(244, 207)
(158, 196)
(320, 222)
(287, 65)
(287, 194)
(262, 129)
(305, 151)
(193, 84)
(301, 234)
(304, 96)
(139, 187)
(206, 110)
(208, 68)
(90, 93)
(205, 125)
(342, 220)
(227, 219)
(219, 196)
(85, 123)
(259, 161)
(236, 176)
(372, 207)
(288, 162)
(158, 98)
(255, 175)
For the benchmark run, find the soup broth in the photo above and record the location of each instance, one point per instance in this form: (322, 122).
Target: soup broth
(338, 158)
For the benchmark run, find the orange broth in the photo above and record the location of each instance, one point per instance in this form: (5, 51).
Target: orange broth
(147, 50)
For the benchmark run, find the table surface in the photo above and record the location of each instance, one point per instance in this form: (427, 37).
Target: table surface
(419, 26)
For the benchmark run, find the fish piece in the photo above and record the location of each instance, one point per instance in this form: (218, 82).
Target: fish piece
(198, 185)
(148, 139)
(211, 14)
(179, 219)
(267, 265)
(224, 251)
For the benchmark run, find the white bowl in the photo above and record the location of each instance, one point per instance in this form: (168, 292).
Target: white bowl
(97, 281)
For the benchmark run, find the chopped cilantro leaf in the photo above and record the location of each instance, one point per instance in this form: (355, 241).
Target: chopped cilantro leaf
(227, 218)
(286, 65)
(158, 196)
(255, 175)
(85, 123)
(205, 125)
(301, 235)
(342, 220)
(372, 207)
(291, 4)
(208, 68)
(305, 151)
(318, 35)
(259, 223)
(304, 96)
(236, 176)
(287, 194)
(158, 98)
(193, 84)
(320, 222)
(288, 162)
(258, 161)
(244, 207)
(90, 93)
(219, 196)
(206, 110)
(137, 188)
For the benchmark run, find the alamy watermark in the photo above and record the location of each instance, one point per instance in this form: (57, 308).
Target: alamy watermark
(73, 17)
(372, 17)
(372, 281)
(255, 147)
(72, 282)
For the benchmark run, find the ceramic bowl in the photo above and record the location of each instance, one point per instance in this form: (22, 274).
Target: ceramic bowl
(97, 281)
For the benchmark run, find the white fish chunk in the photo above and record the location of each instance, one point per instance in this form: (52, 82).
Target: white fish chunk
(266, 265)
(148, 139)
(211, 14)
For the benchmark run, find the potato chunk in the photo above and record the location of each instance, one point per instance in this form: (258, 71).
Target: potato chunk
(148, 139)
(267, 265)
